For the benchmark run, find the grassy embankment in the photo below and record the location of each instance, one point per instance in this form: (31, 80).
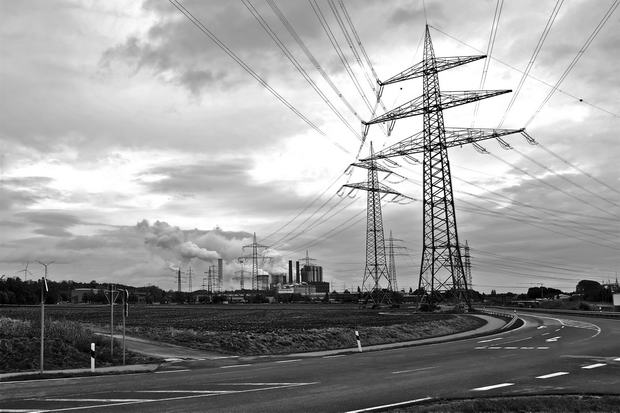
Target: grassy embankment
(67, 345)
(261, 329)
(530, 404)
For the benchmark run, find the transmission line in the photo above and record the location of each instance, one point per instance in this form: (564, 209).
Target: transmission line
(263, 23)
(581, 100)
(248, 69)
(580, 53)
(498, 12)
(530, 64)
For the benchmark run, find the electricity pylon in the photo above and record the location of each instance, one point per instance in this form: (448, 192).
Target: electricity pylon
(376, 281)
(467, 264)
(307, 259)
(441, 269)
(392, 261)
(257, 249)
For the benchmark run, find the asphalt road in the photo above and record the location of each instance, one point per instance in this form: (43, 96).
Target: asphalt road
(550, 354)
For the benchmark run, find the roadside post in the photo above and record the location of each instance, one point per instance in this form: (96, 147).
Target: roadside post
(359, 344)
(112, 295)
(43, 285)
(92, 357)
(125, 314)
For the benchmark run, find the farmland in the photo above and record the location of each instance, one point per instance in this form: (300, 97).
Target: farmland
(260, 329)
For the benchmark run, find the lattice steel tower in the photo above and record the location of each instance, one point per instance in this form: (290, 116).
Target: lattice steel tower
(257, 250)
(376, 281)
(441, 270)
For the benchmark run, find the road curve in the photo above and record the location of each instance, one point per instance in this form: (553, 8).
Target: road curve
(551, 354)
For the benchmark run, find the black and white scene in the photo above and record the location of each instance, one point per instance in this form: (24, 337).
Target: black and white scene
(309, 206)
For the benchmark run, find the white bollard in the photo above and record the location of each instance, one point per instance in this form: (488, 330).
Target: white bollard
(92, 357)
(359, 344)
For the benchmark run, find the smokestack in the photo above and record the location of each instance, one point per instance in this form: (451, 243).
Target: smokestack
(179, 280)
(290, 271)
(220, 273)
(297, 278)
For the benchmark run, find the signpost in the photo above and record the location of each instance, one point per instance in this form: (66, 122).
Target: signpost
(43, 285)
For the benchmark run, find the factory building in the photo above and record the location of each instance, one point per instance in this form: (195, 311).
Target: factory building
(312, 273)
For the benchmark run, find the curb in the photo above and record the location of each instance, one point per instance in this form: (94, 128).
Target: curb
(102, 371)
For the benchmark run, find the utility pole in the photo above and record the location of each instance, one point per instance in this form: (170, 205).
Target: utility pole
(125, 315)
(43, 285)
(441, 269)
(467, 264)
(375, 271)
(112, 295)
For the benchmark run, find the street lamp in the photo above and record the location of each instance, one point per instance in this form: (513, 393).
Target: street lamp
(43, 285)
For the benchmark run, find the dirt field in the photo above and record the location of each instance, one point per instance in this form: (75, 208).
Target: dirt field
(261, 329)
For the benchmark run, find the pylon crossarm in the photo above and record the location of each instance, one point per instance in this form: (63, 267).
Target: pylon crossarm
(447, 99)
(441, 63)
(379, 188)
(368, 164)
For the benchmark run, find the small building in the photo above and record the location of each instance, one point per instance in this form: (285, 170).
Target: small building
(84, 295)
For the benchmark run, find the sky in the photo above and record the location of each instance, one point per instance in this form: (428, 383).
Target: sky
(132, 144)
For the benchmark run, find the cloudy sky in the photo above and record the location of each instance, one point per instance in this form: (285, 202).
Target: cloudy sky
(131, 143)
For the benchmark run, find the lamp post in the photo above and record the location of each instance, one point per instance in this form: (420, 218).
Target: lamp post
(43, 285)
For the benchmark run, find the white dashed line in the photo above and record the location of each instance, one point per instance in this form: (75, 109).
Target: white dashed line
(540, 327)
(527, 348)
(542, 348)
(287, 361)
(593, 366)
(618, 359)
(495, 386)
(480, 348)
(493, 339)
(235, 365)
(548, 376)
(553, 339)
(511, 348)
(386, 406)
(544, 334)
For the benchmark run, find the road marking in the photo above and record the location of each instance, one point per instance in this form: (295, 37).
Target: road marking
(516, 341)
(480, 348)
(269, 384)
(494, 348)
(527, 348)
(409, 371)
(185, 391)
(100, 400)
(618, 359)
(511, 348)
(493, 339)
(559, 329)
(548, 376)
(495, 386)
(553, 339)
(544, 334)
(171, 371)
(334, 356)
(542, 348)
(235, 366)
(287, 361)
(593, 366)
(387, 406)
(541, 327)
(167, 399)
(20, 411)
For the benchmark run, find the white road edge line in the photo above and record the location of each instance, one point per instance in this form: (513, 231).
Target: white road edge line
(334, 356)
(493, 339)
(412, 370)
(171, 371)
(167, 399)
(234, 366)
(20, 411)
(548, 376)
(99, 400)
(542, 348)
(593, 366)
(386, 406)
(495, 386)
(287, 361)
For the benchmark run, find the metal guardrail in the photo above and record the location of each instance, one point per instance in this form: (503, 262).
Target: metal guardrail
(598, 314)
(513, 317)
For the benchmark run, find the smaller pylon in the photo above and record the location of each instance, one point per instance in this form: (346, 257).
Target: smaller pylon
(257, 250)
(467, 264)
(392, 260)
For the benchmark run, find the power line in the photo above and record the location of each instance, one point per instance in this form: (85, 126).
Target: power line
(581, 100)
(263, 23)
(530, 64)
(498, 12)
(248, 69)
(572, 64)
